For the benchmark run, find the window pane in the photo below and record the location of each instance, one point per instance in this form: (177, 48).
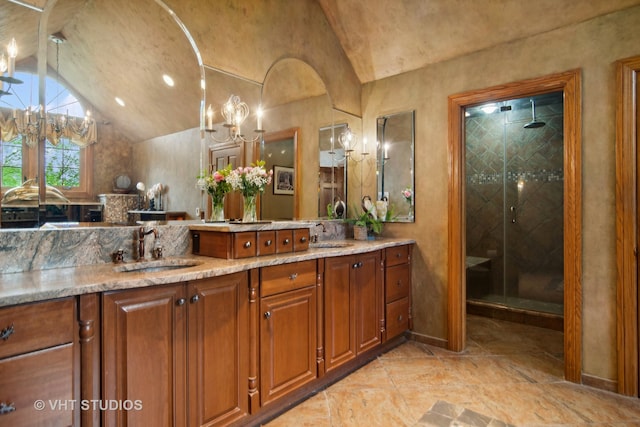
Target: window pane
(62, 164)
(12, 163)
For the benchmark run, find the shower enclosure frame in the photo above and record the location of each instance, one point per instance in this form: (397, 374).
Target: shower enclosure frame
(570, 84)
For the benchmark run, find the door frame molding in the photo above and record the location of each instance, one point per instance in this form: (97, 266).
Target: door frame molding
(571, 84)
(627, 225)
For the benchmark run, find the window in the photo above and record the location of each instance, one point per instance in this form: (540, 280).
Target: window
(66, 163)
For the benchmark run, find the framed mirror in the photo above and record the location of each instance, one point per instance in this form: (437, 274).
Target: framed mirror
(331, 174)
(279, 152)
(395, 165)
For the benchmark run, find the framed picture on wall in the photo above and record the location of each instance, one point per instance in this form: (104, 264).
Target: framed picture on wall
(283, 179)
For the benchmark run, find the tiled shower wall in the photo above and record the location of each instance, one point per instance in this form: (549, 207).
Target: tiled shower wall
(533, 174)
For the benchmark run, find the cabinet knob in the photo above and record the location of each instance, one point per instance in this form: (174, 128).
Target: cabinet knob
(399, 283)
(400, 318)
(303, 239)
(195, 298)
(247, 245)
(293, 276)
(5, 409)
(285, 242)
(357, 264)
(268, 243)
(7, 332)
(181, 301)
(267, 315)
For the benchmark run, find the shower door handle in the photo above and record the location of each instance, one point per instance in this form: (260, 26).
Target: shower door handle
(514, 214)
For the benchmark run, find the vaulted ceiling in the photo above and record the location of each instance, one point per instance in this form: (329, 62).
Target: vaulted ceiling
(112, 45)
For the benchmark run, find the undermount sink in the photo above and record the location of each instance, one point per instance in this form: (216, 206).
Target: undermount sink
(156, 265)
(330, 245)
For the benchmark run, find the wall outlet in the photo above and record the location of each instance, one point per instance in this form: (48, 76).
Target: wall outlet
(198, 212)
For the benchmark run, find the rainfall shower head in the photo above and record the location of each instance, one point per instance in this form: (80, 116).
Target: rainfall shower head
(534, 123)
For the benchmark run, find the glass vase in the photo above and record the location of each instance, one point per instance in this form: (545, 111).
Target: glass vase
(249, 212)
(217, 210)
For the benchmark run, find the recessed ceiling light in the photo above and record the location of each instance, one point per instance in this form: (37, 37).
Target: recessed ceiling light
(489, 108)
(168, 80)
(120, 101)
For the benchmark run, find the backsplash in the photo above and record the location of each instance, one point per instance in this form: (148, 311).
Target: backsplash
(33, 249)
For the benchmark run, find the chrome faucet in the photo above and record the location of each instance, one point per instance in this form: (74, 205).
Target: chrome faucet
(141, 235)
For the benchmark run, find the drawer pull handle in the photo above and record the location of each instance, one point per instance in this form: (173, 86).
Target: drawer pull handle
(303, 239)
(267, 315)
(5, 409)
(247, 245)
(357, 264)
(399, 283)
(268, 243)
(180, 302)
(400, 318)
(285, 242)
(7, 332)
(195, 298)
(293, 276)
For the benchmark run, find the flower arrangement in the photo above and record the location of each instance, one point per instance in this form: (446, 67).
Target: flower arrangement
(217, 184)
(407, 193)
(250, 180)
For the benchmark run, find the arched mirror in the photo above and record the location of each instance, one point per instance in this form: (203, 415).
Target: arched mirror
(395, 165)
(296, 105)
(131, 65)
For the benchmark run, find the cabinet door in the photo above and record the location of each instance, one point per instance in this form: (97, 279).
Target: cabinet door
(144, 355)
(218, 349)
(287, 342)
(339, 311)
(368, 299)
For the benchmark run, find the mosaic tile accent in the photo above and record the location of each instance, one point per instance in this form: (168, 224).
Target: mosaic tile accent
(542, 175)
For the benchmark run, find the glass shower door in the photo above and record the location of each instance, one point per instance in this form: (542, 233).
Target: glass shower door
(514, 201)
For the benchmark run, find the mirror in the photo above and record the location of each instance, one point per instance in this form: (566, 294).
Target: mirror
(95, 64)
(395, 165)
(295, 97)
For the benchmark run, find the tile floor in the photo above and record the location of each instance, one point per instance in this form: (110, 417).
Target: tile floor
(510, 374)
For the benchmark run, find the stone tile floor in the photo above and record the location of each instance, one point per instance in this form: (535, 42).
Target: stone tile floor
(510, 374)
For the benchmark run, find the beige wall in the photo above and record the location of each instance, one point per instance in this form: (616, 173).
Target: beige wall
(592, 46)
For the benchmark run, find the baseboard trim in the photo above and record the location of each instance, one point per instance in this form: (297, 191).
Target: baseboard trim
(427, 339)
(600, 383)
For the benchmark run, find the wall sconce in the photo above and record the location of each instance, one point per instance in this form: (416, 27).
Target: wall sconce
(348, 140)
(234, 112)
(8, 66)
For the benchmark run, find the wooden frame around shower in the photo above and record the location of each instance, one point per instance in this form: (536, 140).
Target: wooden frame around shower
(570, 84)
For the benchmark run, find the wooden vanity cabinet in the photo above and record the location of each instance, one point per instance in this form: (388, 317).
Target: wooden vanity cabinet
(39, 364)
(180, 351)
(353, 315)
(288, 328)
(397, 290)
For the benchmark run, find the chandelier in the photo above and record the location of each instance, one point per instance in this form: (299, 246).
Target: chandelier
(234, 112)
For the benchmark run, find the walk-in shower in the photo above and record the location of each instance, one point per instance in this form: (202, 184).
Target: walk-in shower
(514, 204)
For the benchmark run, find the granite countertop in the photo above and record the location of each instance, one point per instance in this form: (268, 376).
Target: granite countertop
(40, 285)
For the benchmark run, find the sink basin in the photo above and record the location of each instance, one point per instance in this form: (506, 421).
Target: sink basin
(157, 265)
(330, 245)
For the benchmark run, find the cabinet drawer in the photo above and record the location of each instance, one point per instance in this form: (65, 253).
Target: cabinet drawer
(266, 243)
(397, 255)
(397, 282)
(45, 376)
(244, 244)
(397, 317)
(300, 239)
(286, 277)
(284, 241)
(35, 326)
